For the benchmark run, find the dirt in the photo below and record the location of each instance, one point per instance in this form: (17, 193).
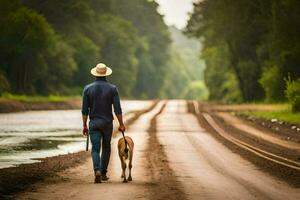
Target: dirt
(244, 107)
(7, 106)
(265, 136)
(286, 174)
(166, 184)
(138, 113)
(206, 168)
(284, 130)
(20, 178)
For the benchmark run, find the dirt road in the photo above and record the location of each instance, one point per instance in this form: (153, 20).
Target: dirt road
(174, 158)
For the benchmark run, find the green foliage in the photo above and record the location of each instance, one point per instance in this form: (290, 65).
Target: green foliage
(4, 83)
(26, 98)
(27, 43)
(230, 89)
(61, 68)
(49, 47)
(146, 72)
(86, 54)
(293, 94)
(248, 76)
(196, 90)
(155, 50)
(262, 41)
(186, 70)
(118, 51)
(270, 86)
(249, 46)
(282, 115)
(65, 16)
(219, 78)
(177, 78)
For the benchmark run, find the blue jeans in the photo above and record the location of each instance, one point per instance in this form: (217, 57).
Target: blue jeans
(103, 135)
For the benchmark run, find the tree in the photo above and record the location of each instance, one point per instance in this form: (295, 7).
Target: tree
(234, 24)
(219, 78)
(155, 53)
(49, 46)
(262, 37)
(65, 16)
(26, 38)
(86, 55)
(118, 51)
(281, 49)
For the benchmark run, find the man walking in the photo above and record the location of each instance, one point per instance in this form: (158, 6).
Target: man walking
(98, 99)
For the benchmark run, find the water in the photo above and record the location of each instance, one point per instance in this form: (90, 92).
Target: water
(27, 136)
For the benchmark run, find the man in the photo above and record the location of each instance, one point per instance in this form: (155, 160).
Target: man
(97, 102)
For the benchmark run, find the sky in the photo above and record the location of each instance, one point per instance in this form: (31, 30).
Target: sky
(175, 11)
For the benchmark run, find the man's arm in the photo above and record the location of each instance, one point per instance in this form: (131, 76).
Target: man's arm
(85, 112)
(85, 128)
(120, 119)
(118, 110)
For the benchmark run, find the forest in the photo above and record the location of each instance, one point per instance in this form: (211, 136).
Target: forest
(49, 46)
(251, 49)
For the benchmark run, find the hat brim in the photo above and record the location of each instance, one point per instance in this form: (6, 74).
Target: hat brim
(95, 73)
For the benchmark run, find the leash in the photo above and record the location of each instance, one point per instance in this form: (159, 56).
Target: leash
(126, 148)
(87, 142)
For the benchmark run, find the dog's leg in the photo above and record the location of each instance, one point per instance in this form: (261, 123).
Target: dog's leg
(121, 159)
(130, 166)
(123, 170)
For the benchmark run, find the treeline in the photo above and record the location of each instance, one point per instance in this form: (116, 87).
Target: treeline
(49, 46)
(251, 48)
(187, 74)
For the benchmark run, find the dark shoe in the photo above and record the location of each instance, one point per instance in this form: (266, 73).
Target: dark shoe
(97, 177)
(104, 177)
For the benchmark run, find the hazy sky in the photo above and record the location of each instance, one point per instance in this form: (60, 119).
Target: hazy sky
(175, 11)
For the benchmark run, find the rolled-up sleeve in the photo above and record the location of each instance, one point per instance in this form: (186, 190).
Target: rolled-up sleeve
(85, 103)
(116, 102)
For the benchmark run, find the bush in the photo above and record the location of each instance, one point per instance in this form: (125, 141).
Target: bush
(292, 93)
(196, 90)
(4, 83)
(273, 84)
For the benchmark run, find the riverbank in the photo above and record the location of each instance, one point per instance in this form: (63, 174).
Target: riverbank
(13, 105)
(20, 178)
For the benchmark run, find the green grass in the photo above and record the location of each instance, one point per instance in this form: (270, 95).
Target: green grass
(26, 98)
(284, 115)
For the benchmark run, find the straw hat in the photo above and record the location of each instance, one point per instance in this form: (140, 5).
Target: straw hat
(101, 70)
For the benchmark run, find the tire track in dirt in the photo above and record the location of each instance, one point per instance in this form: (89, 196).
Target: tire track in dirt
(284, 173)
(165, 183)
(206, 168)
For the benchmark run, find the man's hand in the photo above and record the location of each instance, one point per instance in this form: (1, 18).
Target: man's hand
(85, 131)
(122, 128)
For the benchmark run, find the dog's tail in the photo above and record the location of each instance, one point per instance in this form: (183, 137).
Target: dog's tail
(126, 145)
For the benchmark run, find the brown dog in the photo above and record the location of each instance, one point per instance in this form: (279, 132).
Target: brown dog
(125, 148)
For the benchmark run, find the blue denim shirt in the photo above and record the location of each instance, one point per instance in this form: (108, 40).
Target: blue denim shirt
(97, 101)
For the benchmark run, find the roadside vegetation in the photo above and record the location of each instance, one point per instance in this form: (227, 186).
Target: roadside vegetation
(283, 115)
(251, 49)
(27, 98)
